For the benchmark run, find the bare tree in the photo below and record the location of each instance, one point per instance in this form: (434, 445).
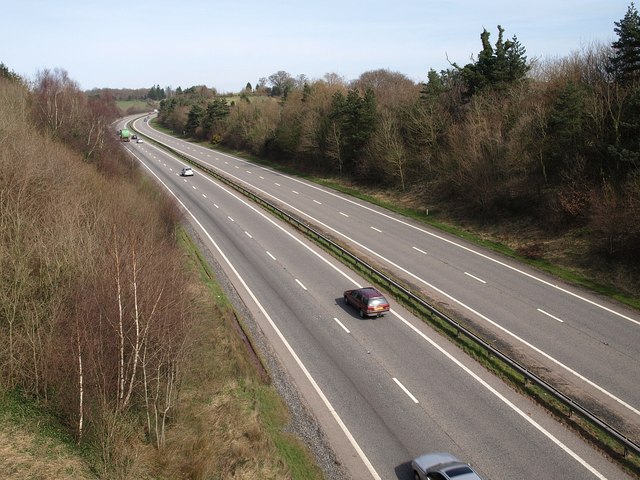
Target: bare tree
(333, 79)
(281, 82)
(58, 100)
(389, 146)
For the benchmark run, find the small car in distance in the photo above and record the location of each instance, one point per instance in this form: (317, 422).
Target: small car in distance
(139, 140)
(368, 301)
(186, 172)
(441, 466)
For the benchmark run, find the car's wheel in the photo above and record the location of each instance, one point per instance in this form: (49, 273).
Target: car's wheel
(362, 315)
(415, 475)
(346, 300)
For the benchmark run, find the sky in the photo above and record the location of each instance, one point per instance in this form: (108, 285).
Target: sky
(226, 44)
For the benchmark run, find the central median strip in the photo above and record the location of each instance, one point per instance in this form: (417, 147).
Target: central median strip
(596, 429)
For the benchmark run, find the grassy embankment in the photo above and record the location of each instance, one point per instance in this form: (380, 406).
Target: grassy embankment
(229, 422)
(128, 107)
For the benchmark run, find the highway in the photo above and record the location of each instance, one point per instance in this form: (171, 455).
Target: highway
(385, 390)
(586, 346)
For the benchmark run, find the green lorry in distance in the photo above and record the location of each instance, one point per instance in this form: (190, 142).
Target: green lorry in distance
(125, 135)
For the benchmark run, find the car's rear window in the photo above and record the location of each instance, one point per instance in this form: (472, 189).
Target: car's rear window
(374, 302)
(454, 472)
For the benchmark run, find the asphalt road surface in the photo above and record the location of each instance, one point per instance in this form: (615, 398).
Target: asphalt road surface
(389, 389)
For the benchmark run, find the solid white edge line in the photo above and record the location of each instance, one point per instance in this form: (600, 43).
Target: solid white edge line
(549, 315)
(502, 398)
(421, 334)
(484, 317)
(475, 252)
(340, 323)
(524, 342)
(290, 349)
(404, 389)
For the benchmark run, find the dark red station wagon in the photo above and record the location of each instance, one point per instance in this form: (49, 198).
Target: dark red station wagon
(368, 301)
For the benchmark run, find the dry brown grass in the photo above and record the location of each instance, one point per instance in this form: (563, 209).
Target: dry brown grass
(221, 430)
(25, 454)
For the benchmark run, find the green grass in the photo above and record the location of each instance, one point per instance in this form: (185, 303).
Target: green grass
(136, 106)
(36, 445)
(19, 410)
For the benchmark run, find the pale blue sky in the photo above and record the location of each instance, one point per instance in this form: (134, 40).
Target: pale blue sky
(227, 43)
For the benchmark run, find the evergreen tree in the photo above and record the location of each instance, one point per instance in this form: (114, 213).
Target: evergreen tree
(497, 67)
(625, 61)
(434, 86)
(566, 132)
(193, 120)
(217, 111)
(8, 74)
(156, 93)
(354, 116)
(306, 91)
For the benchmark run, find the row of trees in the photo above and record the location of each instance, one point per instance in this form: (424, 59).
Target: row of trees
(500, 137)
(95, 305)
(154, 93)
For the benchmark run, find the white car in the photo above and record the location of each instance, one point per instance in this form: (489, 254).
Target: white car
(186, 172)
(441, 466)
(139, 140)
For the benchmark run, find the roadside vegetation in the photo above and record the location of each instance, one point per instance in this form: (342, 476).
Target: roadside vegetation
(541, 156)
(117, 358)
(117, 354)
(130, 101)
